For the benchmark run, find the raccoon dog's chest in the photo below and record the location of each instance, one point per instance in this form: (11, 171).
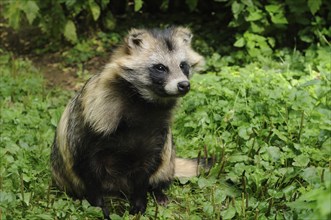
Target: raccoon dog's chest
(125, 155)
(129, 149)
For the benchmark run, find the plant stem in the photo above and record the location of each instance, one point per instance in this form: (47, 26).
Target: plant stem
(301, 125)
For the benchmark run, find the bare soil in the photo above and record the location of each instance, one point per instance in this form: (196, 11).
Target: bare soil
(56, 72)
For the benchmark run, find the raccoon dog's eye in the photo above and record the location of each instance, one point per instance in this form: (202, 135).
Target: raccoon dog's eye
(160, 67)
(185, 67)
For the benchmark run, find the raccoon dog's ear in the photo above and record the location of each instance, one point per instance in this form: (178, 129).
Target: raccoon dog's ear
(196, 60)
(137, 39)
(184, 34)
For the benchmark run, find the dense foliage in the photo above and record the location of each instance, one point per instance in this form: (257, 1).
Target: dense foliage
(257, 25)
(267, 125)
(270, 125)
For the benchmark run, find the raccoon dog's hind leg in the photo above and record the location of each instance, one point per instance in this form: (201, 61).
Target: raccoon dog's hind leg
(162, 178)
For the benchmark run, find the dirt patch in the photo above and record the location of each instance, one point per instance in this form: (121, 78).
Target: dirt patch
(53, 70)
(58, 74)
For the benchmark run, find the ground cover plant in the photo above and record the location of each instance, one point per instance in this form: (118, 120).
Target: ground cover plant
(266, 124)
(261, 109)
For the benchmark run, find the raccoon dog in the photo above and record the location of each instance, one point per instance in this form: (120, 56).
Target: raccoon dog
(114, 137)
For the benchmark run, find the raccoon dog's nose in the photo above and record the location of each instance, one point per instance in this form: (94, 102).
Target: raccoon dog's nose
(183, 87)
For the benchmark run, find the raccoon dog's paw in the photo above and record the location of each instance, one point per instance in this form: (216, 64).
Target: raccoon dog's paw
(138, 205)
(161, 198)
(106, 213)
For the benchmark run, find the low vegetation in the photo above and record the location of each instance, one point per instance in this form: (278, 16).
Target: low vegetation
(267, 125)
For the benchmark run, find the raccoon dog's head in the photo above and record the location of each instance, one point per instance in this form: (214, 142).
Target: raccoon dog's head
(159, 63)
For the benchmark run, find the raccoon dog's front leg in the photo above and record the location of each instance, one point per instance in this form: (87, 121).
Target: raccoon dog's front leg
(94, 193)
(160, 196)
(98, 200)
(138, 198)
(95, 198)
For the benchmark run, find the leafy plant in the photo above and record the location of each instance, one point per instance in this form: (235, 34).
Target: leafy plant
(257, 26)
(266, 124)
(260, 24)
(87, 49)
(64, 19)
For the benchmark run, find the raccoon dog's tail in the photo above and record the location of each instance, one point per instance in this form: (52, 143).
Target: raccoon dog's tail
(190, 167)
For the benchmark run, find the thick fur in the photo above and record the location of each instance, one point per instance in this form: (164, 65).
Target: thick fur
(114, 136)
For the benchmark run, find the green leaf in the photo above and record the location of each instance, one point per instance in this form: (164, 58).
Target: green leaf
(95, 9)
(256, 28)
(279, 18)
(229, 213)
(70, 3)
(31, 10)
(311, 83)
(324, 203)
(202, 182)
(274, 153)
(314, 5)
(104, 3)
(238, 158)
(277, 14)
(116, 217)
(301, 161)
(310, 175)
(192, 4)
(109, 21)
(13, 14)
(184, 180)
(236, 9)
(272, 8)
(44, 216)
(138, 4)
(279, 134)
(240, 42)
(254, 15)
(70, 31)
(208, 208)
(243, 133)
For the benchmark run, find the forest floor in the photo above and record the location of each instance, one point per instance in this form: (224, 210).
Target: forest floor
(267, 121)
